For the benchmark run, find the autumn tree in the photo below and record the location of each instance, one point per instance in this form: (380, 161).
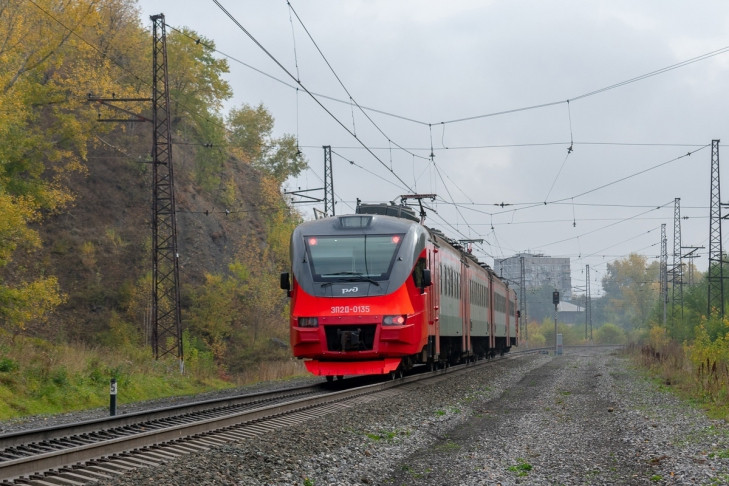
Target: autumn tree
(197, 92)
(54, 53)
(252, 141)
(217, 309)
(631, 289)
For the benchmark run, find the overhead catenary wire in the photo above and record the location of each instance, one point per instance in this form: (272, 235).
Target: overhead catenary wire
(298, 81)
(278, 63)
(571, 137)
(352, 101)
(554, 202)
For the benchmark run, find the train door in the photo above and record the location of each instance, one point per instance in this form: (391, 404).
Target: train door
(509, 307)
(491, 314)
(465, 302)
(434, 303)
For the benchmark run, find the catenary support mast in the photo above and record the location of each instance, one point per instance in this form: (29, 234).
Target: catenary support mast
(166, 318)
(524, 320)
(664, 271)
(328, 182)
(588, 303)
(677, 289)
(716, 257)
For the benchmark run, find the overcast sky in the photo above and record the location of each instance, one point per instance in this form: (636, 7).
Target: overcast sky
(498, 92)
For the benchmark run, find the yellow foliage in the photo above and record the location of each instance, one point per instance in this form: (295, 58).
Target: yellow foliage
(31, 302)
(88, 254)
(15, 214)
(54, 53)
(658, 337)
(704, 349)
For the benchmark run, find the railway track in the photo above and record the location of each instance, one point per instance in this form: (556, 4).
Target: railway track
(101, 449)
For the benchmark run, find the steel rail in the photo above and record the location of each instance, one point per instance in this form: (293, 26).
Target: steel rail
(131, 419)
(175, 434)
(22, 467)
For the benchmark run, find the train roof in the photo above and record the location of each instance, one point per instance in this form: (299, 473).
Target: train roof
(406, 212)
(357, 223)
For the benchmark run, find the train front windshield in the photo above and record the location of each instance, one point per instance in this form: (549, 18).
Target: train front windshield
(350, 257)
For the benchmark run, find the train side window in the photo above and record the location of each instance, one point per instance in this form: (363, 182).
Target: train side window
(447, 281)
(418, 273)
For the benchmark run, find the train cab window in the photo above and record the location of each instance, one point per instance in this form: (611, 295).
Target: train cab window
(418, 272)
(336, 257)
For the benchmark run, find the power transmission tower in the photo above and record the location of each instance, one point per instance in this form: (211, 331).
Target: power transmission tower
(588, 302)
(166, 318)
(328, 188)
(664, 271)
(691, 255)
(677, 289)
(328, 181)
(522, 301)
(716, 256)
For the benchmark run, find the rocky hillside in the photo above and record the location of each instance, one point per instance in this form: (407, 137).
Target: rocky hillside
(100, 247)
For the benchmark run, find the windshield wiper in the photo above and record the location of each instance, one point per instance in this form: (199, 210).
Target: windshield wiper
(350, 277)
(363, 279)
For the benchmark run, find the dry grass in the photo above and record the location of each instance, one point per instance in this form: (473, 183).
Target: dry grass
(272, 371)
(37, 377)
(706, 385)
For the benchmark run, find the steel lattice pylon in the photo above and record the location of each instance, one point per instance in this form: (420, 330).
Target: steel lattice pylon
(166, 319)
(523, 320)
(677, 288)
(328, 181)
(716, 270)
(664, 271)
(588, 302)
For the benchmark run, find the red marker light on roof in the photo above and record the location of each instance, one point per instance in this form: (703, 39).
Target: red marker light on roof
(396, 239)
(313, 241)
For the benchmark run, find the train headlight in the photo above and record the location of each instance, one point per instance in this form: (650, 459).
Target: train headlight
(394, 320)
(308, 322)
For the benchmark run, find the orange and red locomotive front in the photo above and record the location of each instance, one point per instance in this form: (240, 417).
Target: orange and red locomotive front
(358, 293)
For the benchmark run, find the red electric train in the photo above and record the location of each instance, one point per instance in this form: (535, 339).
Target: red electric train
(377, 292)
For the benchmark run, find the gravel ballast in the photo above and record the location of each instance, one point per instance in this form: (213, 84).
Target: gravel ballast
(585, 417)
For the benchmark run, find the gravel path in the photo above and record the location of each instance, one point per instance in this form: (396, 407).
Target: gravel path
(585, 417)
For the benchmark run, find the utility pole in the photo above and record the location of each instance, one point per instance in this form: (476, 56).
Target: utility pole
(588, 302)
(677, 289)
(522, 301)
(328, 189)
(555, 301)
(691, 255)
(716, 256)
(328, 181)
(664, 272)
(166, 335)
(167, 322)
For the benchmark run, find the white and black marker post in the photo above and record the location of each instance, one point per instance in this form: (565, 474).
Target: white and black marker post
(112, 397)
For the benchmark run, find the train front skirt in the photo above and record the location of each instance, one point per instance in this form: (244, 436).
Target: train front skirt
(340, 368)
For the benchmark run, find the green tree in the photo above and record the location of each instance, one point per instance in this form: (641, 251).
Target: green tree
(252, 141)
(609, 333)
(217, 309)
(53, 53)
(631, 287)
(197, 87)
